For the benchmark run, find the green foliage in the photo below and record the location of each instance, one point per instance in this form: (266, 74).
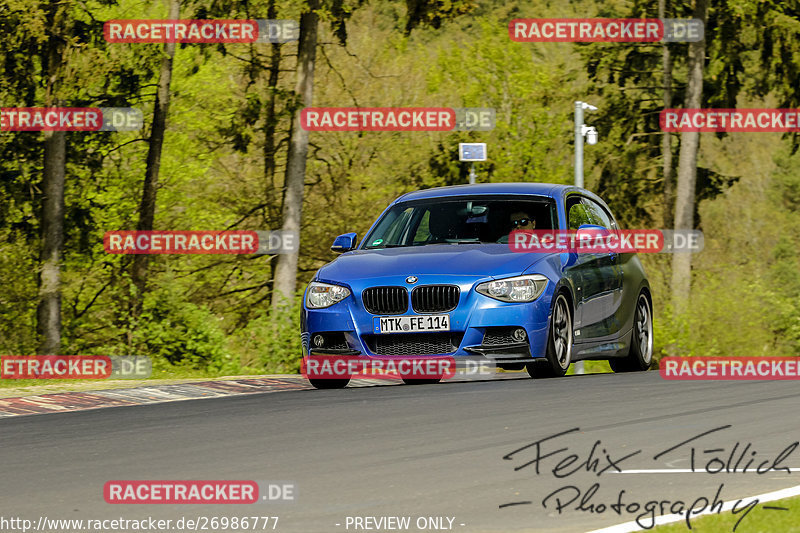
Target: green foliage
(746, 281)
(17, 315)
(434, 12)
(174, 331)
(530, 94)
(271, 343)
(208, 314)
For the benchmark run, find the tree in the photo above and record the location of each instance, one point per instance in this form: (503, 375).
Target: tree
(54, 54)
(419, 13)
(687, 168)
(147, 207)
(666, 140)
(285, 278)
(48, 312)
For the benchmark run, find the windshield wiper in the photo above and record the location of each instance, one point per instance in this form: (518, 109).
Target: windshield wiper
(382, 246)
(465, 241)
(459, 241)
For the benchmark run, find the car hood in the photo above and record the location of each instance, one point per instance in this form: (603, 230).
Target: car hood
(462, 260)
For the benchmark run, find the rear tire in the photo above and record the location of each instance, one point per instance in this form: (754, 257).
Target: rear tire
(511, 366)
(559, 343)
(412, 381)
(640, 354)
(329, 383)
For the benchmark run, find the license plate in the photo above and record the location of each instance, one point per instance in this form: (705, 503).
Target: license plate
(410, 324)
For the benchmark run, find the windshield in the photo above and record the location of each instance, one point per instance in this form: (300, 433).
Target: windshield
(466, 220)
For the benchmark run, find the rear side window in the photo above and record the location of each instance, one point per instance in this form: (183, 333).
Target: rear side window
(577, 214)
(581, 210)
(598, 215)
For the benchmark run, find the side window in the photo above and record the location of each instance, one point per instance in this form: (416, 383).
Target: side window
(577, 213)
(597, 214)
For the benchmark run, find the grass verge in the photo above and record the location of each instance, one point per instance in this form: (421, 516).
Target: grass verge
(764, 517)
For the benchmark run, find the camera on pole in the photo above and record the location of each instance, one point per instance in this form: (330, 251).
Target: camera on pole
(472, 152)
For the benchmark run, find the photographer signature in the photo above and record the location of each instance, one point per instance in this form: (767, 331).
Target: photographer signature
(553, 455)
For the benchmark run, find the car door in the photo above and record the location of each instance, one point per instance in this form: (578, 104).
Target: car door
(608, 302)
(597, 276)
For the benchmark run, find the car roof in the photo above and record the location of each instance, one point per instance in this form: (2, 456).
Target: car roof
(541, 189)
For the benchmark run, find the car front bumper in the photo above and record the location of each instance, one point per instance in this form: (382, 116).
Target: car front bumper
(479, 325)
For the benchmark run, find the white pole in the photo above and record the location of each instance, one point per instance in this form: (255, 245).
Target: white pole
(578, 175)
(578, 144)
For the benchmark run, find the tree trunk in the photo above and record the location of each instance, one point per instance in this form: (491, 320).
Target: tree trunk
(285, 277)
(147, 207)
(48, 311)
(271, 121)
(687, 170)
(270, 125)
(666, 139)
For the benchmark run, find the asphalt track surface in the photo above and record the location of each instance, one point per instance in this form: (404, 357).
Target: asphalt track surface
(415, 451)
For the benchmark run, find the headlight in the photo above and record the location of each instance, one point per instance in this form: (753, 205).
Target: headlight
(321, 295)
(518, 289)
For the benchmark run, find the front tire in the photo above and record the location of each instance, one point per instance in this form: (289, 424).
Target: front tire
(640, 354)
(559, 343)
(414, 381)
(329, 383)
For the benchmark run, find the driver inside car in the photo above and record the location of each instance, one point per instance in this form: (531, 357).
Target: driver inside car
(520, 220)
(517, 221)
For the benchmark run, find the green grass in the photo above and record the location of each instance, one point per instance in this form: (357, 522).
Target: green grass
(161, 376)
(589, 367)
(172, 372)
(757, 520)
(592, 367)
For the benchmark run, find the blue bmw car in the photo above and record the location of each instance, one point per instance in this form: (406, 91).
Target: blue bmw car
(435, 276)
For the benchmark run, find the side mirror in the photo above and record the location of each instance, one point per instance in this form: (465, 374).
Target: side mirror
(344, 243)
(593, 227)
(591, 231)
